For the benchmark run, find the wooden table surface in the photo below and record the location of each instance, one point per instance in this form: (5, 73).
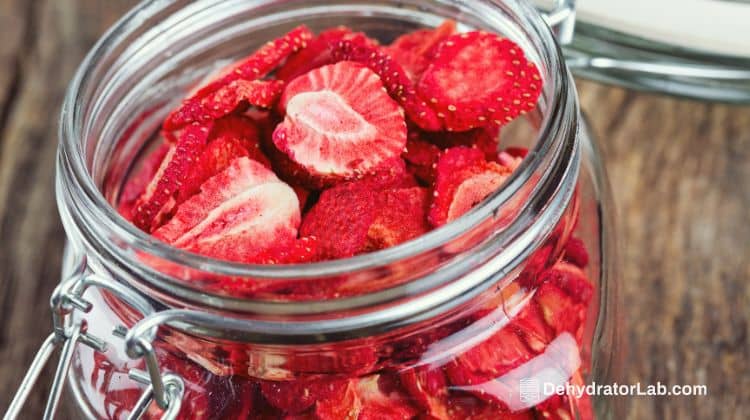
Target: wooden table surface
(680, 172)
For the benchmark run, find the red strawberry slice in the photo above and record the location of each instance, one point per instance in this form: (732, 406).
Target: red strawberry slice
(317, 53)
(157, 200)
(401, 216)
(381, 399)
(411, 49)
(571, 279)
(429, 388)
(475, 79)
(230, 138)
(341, 219)
(252, 68)
(512, 157)
(563, 298)
(344, 406)
(238, 213)
(463, 179)
(296, 251)
(339, 123)
(466, 407)
(298, 395)
(486, 139)
(421, 157)
(576, 253)
(530, 325)
(136, 184)
(236, 95)
(394, 78)
(488, 360)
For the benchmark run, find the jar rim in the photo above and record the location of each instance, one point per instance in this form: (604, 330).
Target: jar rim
(562, 106)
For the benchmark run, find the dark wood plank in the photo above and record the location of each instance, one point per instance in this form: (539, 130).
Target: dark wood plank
(681, 178)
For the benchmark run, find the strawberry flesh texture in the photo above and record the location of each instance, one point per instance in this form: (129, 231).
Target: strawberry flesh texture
(317, 53)
(236, 95)
(231, 137)
(512, 157)
(297, 396)
(488, 360)
(158, 198)
(421, 157)
(250, 69)
(401, 216)
(137, 184)
(575, 252)
(429, 389)
(412, 50)
(394, 78)
(476, 79)
(381, 399)
(466, 407)
(485, 139)
(339, 123)
(463, 179)
(238, 213)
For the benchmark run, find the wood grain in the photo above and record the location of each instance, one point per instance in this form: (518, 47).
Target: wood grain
(680, 172)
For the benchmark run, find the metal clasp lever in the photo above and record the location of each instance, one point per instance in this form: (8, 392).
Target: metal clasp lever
(561, 18)
(65, 335)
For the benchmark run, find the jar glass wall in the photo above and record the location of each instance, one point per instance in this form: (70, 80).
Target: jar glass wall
(470, 320)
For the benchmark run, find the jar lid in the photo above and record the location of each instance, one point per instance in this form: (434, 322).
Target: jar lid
(692, 48)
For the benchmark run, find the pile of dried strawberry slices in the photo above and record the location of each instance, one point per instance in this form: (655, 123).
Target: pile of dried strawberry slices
(328, 146)
(323, 147)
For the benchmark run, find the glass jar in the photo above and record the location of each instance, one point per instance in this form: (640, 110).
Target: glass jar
(476, 319)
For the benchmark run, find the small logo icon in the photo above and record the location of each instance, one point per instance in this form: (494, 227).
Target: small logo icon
(529, 391)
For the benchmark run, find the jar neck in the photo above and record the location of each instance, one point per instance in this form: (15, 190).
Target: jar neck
(125, 76)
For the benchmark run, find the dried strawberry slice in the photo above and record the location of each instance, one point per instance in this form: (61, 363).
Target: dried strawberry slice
(576, 253)
(238, 213)
(394, 78)
(252, 68)
(475, 79)
(207, 396)
(317, 53)
(429, 388)
(563, 297)
(341, 219)
(530, 325)
(411, 49)
(344, 406)
(236, 95)
(339, 123)
(489, 360)
(463, 179)
(381, 398)
(158, 198)
(136, 184)
(486, 139)
(467, 407)
(512, 157)
(230, 138)
(401, 216)
(296, 251)
(297, 396)
(421, 157)
(571, 279)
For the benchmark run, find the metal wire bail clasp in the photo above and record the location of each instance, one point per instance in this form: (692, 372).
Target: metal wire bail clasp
(561, 18)
(66, 334)
(166, 390)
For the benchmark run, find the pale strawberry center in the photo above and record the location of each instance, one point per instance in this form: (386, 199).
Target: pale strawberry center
(256, 210)
(333, 127)
(473, 191)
